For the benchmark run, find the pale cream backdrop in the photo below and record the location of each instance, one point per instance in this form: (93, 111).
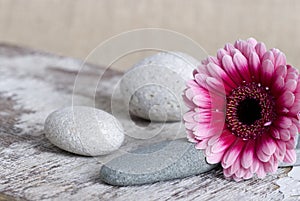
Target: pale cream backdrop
(75, 27)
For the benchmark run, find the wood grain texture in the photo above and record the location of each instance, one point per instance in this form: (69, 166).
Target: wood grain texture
(33, 84)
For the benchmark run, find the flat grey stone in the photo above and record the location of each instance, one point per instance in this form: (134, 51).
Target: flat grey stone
(163, 161)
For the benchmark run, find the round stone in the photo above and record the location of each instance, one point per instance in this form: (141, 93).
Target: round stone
(153, 88)
(84, 131)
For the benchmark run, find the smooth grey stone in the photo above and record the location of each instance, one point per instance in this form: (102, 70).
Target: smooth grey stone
(166, 160)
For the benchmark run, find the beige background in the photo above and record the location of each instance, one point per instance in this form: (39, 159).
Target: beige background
(74, 27)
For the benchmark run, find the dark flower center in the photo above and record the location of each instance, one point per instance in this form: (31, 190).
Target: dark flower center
(250, 110)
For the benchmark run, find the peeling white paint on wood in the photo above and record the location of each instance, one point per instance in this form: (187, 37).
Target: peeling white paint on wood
(32, 85)
(290, 185)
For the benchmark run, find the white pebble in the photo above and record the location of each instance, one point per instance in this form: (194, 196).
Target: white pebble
(153, 88)
(84, 130)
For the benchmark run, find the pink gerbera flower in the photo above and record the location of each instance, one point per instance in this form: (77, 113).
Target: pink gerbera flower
(244, 109)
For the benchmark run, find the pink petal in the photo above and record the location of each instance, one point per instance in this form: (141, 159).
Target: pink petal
(254, 65)
(199, 127)
(201, 115)
(242, 65)
(201, 101)
(230, 69)
(245, 47)
(267, 71)
(202, 144)
(216, 86)
(232, 153)
(200, 78)
(221, 53)
(188, 102)
(283, 122)
(204, 62)
(215, 158)
(284, 134)
(248, 50)
(248, 153)
(252, 41)
(240, 173)
(261, 155)
(291, 69)
(192, 84)
(214, 139)
(240, 45)
(295, 109)
(236, 166)
(209, 85)
(226, 139)
(280, 71)
(260, 49)
(189, 116)
(214, 60)
(194, 89)
(227, 172)
(268, 145)
(290, 156)
(271, 166)
(236, 179)
(280, 59)
(274, 132)
(297, 92)
(286, 99)
(296, 122)
(291, 143)
(207, 151)
(248, 175)
(290, 85)
(229, 48)
(277, 87)
(189, 125)
(255, 165)
(218, 102)
(196, 71)
(281, 149)
(261, 173)
(191, 136)
(269, 56)
(291, 76)
(293, 130)
(200, 130)
(218, 72)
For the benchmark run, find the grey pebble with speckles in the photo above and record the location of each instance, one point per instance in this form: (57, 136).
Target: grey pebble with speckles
(84, 130)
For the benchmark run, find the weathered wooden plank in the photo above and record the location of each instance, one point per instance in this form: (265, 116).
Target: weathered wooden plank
(33, 84)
